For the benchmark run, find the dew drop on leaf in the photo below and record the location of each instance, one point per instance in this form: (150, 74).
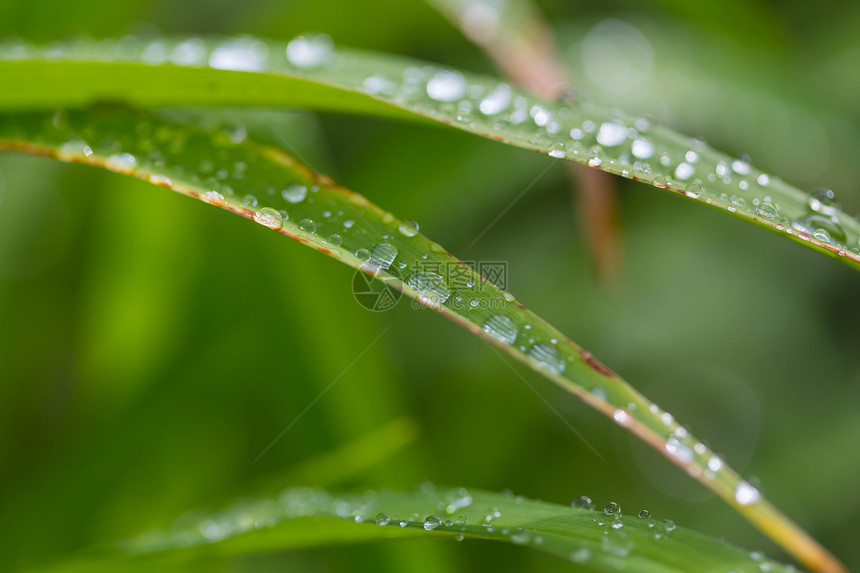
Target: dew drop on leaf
(678, 450)
(547, 356)
(746, 494)
(309, 51)
(295, 193)
(431, 523)
(446, 86)
(269, 217)
(408, 228)
(501, 327)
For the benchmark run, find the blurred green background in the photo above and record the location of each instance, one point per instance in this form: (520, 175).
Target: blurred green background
(151, 347)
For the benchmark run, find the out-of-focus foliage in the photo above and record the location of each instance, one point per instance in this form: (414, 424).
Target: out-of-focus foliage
(121, 407)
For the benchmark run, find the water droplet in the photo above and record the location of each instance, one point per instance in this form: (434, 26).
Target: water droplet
(463, 499)
(694, 189)
(309, 51)
(684, 171)
(642, 148)
(547, 356)
(383, 519)
(824, 201)
(829, 224)
(446, 86)
(611, 134)
(432, 288)
(295, 193)
(501, 327)
(431, 523)
(383, 255)
(241, 54)
(766, 210)
(214, 198)
(741, 166)
(308, 226)
(746, 494)
(162, 180)
(496, 101)
(644, 514)
(669, 525)
(660, 181)
(76, 147)
(408, 228)
(678, 450)
(583, 502)
(363, 255)
(612, 508)
(335, 240)
(249, 202)
(269, 218)
(121, 162)
(622, 417)
(556, 149)
(715, 464)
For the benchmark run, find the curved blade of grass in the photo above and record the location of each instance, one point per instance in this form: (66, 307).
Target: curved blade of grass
(308, 72)
(268, 186)
(304, 517)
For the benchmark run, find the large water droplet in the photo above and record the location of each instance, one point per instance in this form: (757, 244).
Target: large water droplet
(547, 356)
(432, 288)
(408, 228)
(431, 523)
(814, 223)
(556, 149)
(501, 327)
(611, 134)
(746, 494)
(383, 519)
(446, 86)
(642, 148)
(766, 210)
(612, 508)
(269, 217)
(309, 51)
(383, 255)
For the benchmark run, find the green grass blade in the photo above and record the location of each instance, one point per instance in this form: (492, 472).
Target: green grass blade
(266, 185)
(304, 517)
(310, 73)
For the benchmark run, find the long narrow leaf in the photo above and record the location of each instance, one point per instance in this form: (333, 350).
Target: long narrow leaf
(268, 186)
(601, 540)
(308, 72)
